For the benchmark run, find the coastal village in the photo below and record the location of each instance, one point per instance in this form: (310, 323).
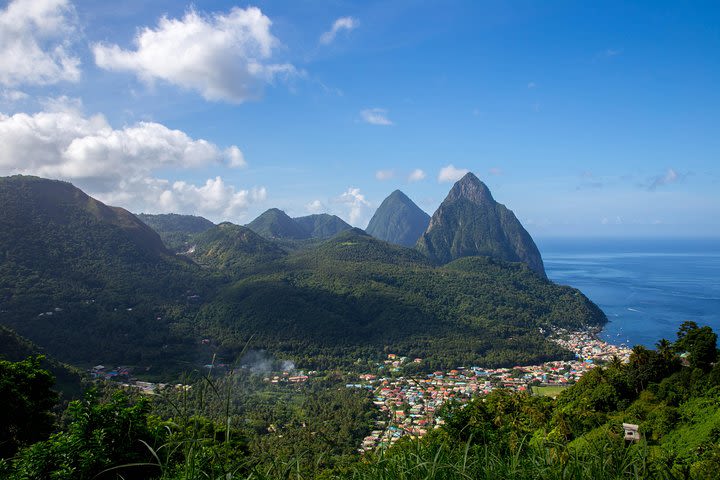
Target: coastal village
(408, 403)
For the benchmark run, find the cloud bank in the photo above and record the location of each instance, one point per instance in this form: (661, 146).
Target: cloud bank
(120, 166)
(35, 46)
(222, 56)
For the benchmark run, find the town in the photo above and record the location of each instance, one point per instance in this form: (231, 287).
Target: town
(409, 403)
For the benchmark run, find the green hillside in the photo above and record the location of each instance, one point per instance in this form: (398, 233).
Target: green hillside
(93, 284)
(176, 230)
(322, 225)
(354, 296)
(87, 282)
(235, 249)
(276, 224)
(14, 348)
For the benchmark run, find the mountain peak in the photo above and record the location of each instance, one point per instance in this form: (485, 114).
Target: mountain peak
(398, 194)
(274, 223)
(471, 188)
(398, 220)
(469, 222)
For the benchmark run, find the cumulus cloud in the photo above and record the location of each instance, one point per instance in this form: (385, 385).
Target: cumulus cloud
(356, 205)
(375, 116)
(342, 23)
(669, 177)
(451, 174)
(119, 165)
(214, 199)
(316, 206)
(13, 96)
(235, 157)
(416, 175)
(384, 174)
(35, 45)
(222, 56)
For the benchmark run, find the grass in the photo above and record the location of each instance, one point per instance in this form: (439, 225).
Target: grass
(549, 391)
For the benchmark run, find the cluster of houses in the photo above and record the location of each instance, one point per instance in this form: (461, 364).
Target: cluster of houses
(101, 372)
(410, 403)
(587, 346)
(122, 375)
(289, 377)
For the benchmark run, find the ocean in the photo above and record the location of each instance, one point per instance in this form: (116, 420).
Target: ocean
(646, 287)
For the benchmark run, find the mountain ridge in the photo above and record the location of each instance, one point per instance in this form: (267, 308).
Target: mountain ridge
(322, 225)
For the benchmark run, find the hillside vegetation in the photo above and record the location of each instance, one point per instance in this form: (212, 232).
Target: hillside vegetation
(214, 430)
(354, 296)
(175, 230)
(93, 284)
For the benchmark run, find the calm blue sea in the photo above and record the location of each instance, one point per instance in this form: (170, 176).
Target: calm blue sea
(647, 288)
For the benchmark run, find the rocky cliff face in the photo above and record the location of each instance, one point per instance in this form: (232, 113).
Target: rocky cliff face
(470, 222)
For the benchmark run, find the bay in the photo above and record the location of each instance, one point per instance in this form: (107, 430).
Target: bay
(646, 287)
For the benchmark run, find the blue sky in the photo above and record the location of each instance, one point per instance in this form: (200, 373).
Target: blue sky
(584, 119)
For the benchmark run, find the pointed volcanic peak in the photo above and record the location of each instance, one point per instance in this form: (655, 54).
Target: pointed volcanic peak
(470, 222)
(322, 225)
(275, 223)
(398, 220)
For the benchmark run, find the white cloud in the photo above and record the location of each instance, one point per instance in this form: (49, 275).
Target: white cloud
(356, 204)
(451, 174)
(416, 175)
(235, 157)
(342, 23)
(224, 57)
(384, 174)
(13, 96)
(316, 206)
(35, 43)
(375, 116)
(671, 176)
(120, 166)
(214, 199)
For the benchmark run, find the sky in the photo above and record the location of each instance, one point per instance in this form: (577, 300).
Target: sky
(584, 118)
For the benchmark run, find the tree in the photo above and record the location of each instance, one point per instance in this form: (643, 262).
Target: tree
(700, 343)
(26, 398)
(99, 436)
